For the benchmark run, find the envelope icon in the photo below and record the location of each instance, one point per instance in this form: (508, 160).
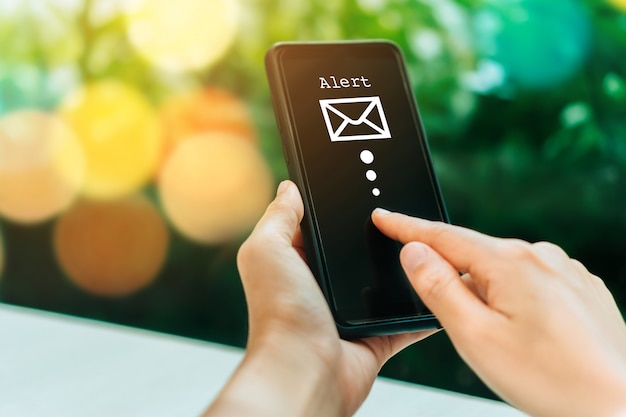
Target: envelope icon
(366, 124)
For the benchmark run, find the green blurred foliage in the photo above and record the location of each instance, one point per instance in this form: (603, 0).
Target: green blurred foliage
(539, 164)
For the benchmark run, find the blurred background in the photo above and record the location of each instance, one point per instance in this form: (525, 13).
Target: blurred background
(138, 145)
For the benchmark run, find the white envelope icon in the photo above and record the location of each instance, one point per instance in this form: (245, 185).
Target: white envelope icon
(377, 129)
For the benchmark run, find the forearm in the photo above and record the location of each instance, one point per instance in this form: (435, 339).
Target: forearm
(273, 384)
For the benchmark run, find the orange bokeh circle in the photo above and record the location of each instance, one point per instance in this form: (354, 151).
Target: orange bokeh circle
(112, 248)
(201, 111)
(214, 187)
(42, 166)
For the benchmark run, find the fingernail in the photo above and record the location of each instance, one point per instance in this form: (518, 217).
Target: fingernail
(413, 254)
(282, 187)
(381, 211)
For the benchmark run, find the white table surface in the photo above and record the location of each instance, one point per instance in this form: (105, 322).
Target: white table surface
(55, 365)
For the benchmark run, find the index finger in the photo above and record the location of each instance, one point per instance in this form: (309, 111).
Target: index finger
(460, 246)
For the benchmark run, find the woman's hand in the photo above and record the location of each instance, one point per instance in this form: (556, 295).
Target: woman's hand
(535, 325)
(295, 363)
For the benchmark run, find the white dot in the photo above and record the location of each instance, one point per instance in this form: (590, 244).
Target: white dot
(367, 157)
(376, 192)
(371, 175)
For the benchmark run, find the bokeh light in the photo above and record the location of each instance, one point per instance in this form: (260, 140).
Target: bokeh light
(190, 36)
(112, 248)
(214, 187)
(204, 110)
(41, 28)
(539, 43)
(25, 86)
(619, 3)
(120, 134)
(42, 166)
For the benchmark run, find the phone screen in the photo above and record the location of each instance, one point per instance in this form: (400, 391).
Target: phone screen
(359, 145)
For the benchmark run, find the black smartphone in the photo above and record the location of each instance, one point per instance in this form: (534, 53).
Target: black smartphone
(353, 141)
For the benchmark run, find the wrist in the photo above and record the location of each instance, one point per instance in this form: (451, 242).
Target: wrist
(279, 382)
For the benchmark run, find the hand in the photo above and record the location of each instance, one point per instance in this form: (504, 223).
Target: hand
(295, 363)
(535, 325)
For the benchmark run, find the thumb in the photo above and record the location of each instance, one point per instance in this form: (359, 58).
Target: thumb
(282, 217)
(440, 286)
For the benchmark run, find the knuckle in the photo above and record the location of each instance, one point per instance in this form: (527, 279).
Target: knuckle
(519, 249)
(542, 256)
(596, 280)
(242, 254)
(286, 210)
(549, 248)
(249, 252)
(432, 284)
(579, 266)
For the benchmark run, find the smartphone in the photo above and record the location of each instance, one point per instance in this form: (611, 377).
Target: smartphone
(353, 141)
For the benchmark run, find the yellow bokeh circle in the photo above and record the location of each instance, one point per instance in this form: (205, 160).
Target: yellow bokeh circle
(42, 166)
(214, 187)
(185, 35)
(120, 134)
(619, 3)
(112, 248)
(204, 110)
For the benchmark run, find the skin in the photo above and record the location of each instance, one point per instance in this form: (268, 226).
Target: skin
(295, 363)
(535, 325)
